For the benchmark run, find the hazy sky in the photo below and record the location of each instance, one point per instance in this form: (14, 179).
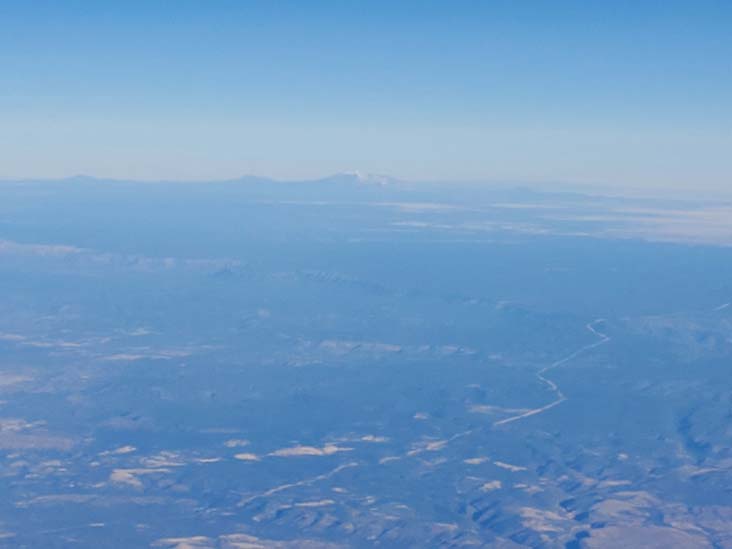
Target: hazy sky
(635, 93)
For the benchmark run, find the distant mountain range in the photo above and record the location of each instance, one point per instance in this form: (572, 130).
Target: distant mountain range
(371, 184)
(341, 178)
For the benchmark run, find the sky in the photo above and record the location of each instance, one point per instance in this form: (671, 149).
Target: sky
(636, 94)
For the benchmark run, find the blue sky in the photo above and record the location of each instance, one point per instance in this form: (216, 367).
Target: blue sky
(633, 94)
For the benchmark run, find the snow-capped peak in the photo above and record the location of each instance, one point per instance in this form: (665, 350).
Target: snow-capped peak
(364, 178)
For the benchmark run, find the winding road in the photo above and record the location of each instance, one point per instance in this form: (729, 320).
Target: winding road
(552, 385)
